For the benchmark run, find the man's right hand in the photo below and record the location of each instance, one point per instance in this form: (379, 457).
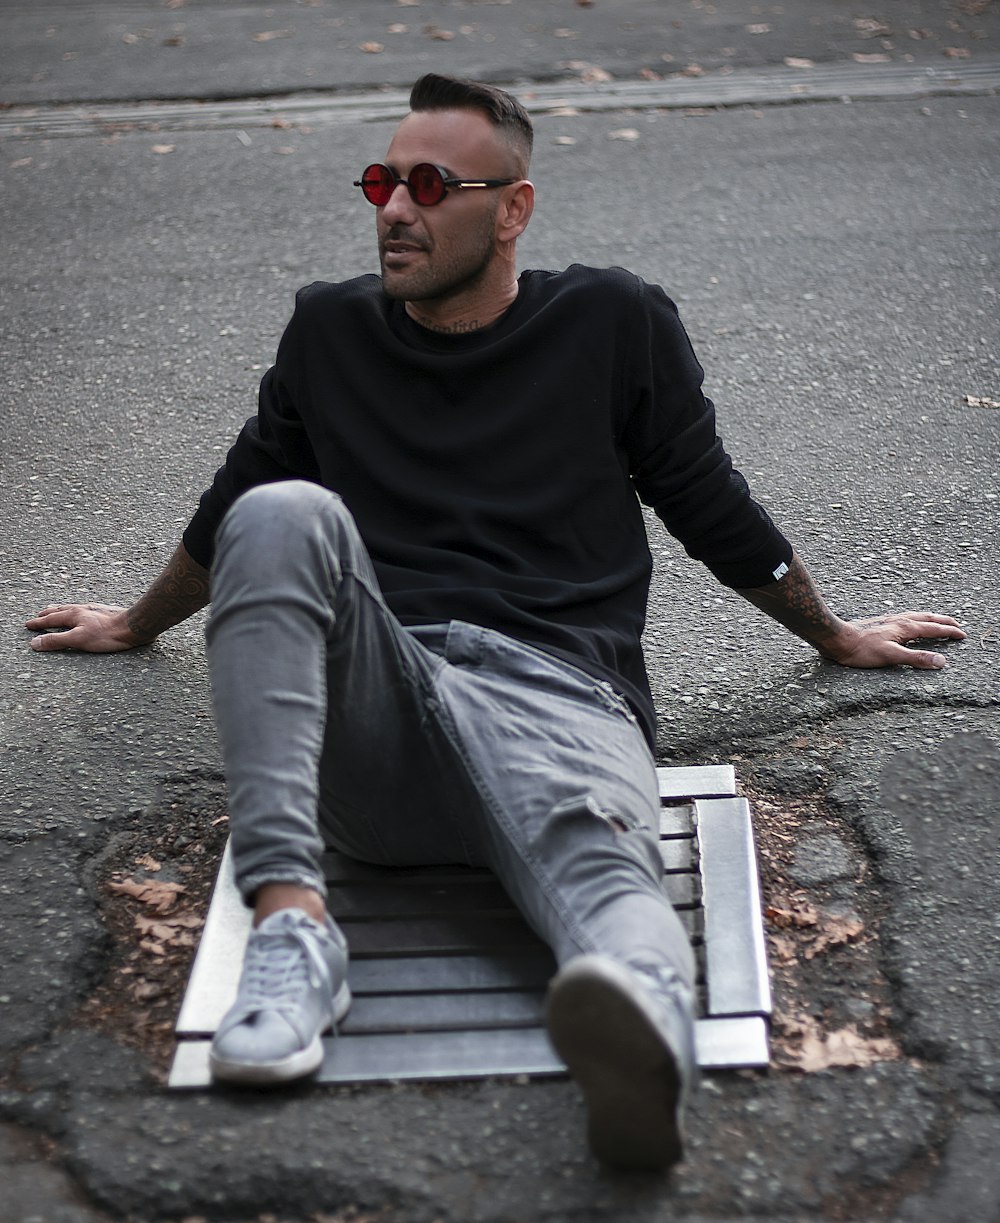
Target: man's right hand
(97, 628)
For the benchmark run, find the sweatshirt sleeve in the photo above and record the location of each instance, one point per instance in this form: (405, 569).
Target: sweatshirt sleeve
(272, 446)
(679, 465)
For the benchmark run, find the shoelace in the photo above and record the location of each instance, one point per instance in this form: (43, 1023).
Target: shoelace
(271, 973)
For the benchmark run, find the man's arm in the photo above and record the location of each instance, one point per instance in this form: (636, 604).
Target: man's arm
(877, 641)
(179, 591)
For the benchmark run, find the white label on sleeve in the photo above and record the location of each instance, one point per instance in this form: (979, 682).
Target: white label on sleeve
(780, 572)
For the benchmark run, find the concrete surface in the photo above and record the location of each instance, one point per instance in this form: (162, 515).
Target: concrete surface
(836, 264)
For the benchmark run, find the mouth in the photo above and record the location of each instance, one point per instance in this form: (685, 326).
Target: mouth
(397, 252)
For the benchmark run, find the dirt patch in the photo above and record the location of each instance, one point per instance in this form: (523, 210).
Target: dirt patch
(153, 890)
(833, 1005)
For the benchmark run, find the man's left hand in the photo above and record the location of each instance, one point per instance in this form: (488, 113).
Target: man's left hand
(880, 641)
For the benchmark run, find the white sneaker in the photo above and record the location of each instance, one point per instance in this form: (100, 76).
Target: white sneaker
(292, 989)
(627, 1036)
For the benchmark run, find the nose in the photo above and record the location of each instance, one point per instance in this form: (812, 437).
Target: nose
(400, 208)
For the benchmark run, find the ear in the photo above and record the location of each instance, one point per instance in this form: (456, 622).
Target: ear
(514, 213)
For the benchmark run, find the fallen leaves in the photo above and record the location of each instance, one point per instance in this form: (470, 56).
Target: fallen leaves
(160, 895)
(161, 933)
(980, 401)
(836, 932)
(818, 932)
(590, 74)
(269, 35)
(846, 1047)
(798, 914)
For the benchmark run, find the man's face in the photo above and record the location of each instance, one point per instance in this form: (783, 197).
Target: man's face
(434, 252)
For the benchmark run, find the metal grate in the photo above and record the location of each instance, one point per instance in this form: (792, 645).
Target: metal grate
(448, 981)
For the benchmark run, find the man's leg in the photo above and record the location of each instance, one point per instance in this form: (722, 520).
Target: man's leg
(297, 624)
(570, 824)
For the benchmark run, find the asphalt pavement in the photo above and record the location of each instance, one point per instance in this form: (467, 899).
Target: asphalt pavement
(815, 184)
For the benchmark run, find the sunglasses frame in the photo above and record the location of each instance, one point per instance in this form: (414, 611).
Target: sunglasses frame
(461, 184)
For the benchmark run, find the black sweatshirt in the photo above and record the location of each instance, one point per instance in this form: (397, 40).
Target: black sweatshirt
(494, 475)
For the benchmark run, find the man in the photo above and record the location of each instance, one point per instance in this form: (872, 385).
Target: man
(429, 573)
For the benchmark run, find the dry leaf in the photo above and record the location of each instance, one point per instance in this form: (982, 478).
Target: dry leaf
(871, 27)
(590, 73)
(957, 52)
(267, 35)
(148, 862)
(624, 133)
(564, 140)
(875, 57)
(160, 895)
(691, 70)
(844, 1047)
(782, 947)
(169, 927)
(974, 401)
(432, 31)
(648, 74)
(163, 148)
(796, 61)
(565, 33)
(837, 932)
(798, 915)
(759, 28)
(397, 27)
(371, 48)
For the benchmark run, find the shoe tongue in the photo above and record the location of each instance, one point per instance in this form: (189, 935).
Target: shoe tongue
(284, 919)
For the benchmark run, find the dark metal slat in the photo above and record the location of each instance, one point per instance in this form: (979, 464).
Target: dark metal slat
(455, 935)
(678, 856)
(443, 1012)
(372, 900)
(528, 967)
(677, 820)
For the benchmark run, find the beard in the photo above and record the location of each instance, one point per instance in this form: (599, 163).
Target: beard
(441, 272)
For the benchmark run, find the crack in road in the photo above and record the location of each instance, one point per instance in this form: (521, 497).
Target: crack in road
(780, 86)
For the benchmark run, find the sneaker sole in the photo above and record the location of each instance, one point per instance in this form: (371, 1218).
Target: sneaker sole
(282, 1070)
(622, 1063)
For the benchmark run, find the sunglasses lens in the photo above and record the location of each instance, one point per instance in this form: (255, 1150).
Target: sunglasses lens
(377, 185)
(427, 184)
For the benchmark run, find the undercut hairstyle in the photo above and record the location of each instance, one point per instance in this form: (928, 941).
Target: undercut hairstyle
(508, 116)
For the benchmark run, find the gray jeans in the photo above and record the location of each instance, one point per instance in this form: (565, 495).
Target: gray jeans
(446, 743)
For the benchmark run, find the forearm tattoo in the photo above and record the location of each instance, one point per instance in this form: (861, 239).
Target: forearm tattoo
(180, 590)
(796, 603)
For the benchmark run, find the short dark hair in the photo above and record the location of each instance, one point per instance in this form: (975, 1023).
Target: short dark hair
(505, 112)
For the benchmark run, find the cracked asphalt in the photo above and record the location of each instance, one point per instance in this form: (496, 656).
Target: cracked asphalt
(836, 264)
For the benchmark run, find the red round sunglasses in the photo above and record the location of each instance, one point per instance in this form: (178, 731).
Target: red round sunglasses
(427, 184)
